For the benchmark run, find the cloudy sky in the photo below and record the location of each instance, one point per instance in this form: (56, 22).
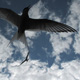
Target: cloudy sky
(53, 56)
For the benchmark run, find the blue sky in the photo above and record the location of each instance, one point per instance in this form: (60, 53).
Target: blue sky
(53, 56)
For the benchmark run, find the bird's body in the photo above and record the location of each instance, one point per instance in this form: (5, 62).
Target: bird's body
(23, 23)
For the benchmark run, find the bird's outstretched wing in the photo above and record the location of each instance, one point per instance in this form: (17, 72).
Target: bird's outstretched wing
(10, 16)
(49, 25)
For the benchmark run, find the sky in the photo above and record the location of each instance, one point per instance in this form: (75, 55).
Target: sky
(53, 56)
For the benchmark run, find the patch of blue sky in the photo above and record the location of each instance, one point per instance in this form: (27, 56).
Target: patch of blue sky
(37, 52)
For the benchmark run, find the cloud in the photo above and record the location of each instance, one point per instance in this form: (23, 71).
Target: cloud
(53, 16)
(32, 34)
(58, 42)
(29, 70)
(3, 77)
(36, 70)
(74, 19)
(38, 10)
(71, 69)
(5, 52)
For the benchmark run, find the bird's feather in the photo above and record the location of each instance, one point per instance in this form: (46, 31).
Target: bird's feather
(49, 25)
(10, 16)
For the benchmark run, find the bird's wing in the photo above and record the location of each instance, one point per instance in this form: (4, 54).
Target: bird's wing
(10, 16)
(49, 25)
(22, 62)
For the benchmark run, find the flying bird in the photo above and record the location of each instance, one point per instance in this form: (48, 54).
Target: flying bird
(24, 22)
(25, 59)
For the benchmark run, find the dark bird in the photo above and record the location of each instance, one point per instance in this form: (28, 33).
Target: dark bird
(25, 59)
(23, 23)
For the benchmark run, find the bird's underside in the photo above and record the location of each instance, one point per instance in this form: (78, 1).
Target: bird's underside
(31, 24)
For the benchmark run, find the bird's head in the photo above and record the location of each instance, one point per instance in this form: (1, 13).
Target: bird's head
(25, 10)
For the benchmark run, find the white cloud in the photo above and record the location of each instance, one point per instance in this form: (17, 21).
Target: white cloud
(5, 52)
(74, 21)
(57, 59)
(72, 68)
(9, 29)
(32, 34)
(2, 65)
(46, 50)
(3, 77)
(53, 16)
(38, 10)
(27, 70)
(59, 45)
(74, 16)
(36, 70)
(76, 44)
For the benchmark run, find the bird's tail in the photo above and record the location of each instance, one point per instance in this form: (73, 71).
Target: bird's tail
(20, 37)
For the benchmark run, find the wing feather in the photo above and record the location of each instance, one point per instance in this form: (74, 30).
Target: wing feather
(10, 16)
(49, 25)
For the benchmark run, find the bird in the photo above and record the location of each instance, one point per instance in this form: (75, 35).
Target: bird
(24, 22)
(25, 59)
